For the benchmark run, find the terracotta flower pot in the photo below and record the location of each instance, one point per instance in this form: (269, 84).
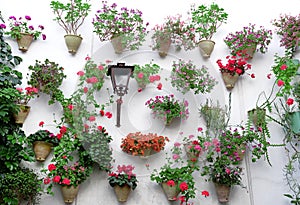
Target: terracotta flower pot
(21, 116)
(230, 80)
(171, 192)
(223, 192)
(41, 150)
(122, 192)
(69, 193)
(118, 44)
(164, 46)
(206, 47)
(73, 42)
(24, 42)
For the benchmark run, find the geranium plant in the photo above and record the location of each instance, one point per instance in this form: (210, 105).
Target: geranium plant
(145, 74)
(47, 77)
(174, 30)
(123, 176)
(71, 15)
(18, 26)
(285, 70)
(185, 76)
(175, 172)
(167, 107)
(71, 164)
(43, 135)
(235, 65)
(288, 28)
(137, 143)
(206, 19)
(111, 22)
(221, 171)
(249, 36)
(25, 96)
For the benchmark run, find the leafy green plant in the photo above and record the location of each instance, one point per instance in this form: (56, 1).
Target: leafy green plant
(185, 76)
(145, 74)
(249, 36)
(12, 137)
(285, 69)
(71, 15)
(43, 135)
(124, 175)
(47, 77)
(173, 29)
(206, 19)
(168, 107)
(20, 26)
(177, 171)
(23, 185)
(111, 22)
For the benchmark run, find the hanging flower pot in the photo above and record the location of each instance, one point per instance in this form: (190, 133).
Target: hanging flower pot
(206, 47)
(229, 79)
(24, 41)
(191, 152)
(257, 116)
(21, 116)
(73, 42)
(164, 46)
(41, 150)
(171, 192)
(69, 193)
(122, 192)
(118, 44)
(223, 192)
(295, 122)
(249, 51)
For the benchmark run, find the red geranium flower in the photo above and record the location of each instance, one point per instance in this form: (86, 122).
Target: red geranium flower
(183, 186)
(290, 101)
(47, 180)
(51, 167)
(56, 179)
(205, 193)
(171, 183)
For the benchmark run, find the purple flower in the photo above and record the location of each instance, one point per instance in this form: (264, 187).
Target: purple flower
(2, 26)
(41, 27)
(31, 27)
(12, 17)
(28, 18)
(44, 36)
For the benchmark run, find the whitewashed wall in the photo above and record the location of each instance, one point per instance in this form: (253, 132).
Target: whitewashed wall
(265, 184)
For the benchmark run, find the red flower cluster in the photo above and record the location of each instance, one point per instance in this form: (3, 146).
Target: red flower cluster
(235, 64)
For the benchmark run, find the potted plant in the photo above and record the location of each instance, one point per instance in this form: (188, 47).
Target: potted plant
(70, 16)
(20, 186)
(175, 177)
(285, 70)
(174, 30)
(22, 100)
(185, 76)
(215, 116)
(235, 67)
(167, 107)
(143, 144)
(206, 19)
(23, 32)
(288, 28)
(249, 40)
(224, 175)
(42, 141)
(145, 74)
(70, 166)
(124, 27)
(47, 77)
(123, 180)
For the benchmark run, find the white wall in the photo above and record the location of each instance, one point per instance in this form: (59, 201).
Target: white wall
(265, 184)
